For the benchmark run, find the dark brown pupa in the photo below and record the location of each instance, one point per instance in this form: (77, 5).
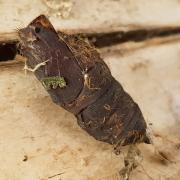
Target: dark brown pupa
(78, 79)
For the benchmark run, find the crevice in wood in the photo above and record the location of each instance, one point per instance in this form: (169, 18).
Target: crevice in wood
(8, 51)
(101, 40)
(8, 48)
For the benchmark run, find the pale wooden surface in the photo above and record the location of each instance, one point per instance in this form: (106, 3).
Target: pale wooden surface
(91, 15)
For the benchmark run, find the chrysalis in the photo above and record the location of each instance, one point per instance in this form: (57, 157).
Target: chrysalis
(82, 84)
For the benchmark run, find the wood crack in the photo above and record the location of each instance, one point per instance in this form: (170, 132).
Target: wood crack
(9, 41)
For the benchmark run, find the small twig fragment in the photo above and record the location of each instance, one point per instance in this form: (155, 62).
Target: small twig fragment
(50, 177)
(36, 67)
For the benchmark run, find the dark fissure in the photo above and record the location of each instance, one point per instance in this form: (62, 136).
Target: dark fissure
(8, 50)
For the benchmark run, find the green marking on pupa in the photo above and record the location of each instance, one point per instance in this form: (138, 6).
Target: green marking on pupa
(53, 82)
